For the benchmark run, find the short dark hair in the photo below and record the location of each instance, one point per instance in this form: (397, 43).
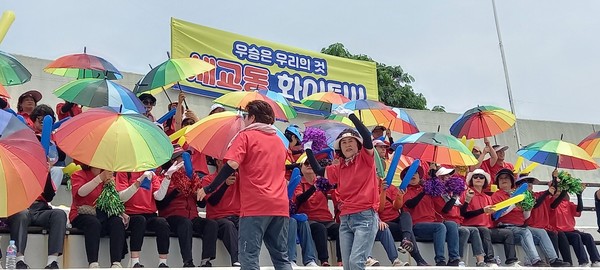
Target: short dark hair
(42, 110)
(262, 112)
(382, 128)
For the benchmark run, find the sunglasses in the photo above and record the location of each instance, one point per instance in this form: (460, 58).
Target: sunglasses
(478, 176)
(148, 102)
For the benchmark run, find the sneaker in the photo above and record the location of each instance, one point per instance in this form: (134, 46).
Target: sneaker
(163, 265)
(53, 265)
(236, 264)
(325, 264)
(94, 265)
(116, 265)
(138, 265)
(293, 263)
(22, 265)
(596, 264)
(491, 264)
(206, 264)
(454, 262)
(189, 264)
(312, 264)
(406, 245)
(440, 263)
(540, 263)
(585, 265)
(423, 263)
(516, 264)
(560, 263)
(371, 262)
(398, 262)
(481, 264)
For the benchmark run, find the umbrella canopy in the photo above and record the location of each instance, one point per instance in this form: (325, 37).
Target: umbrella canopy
(590, 144)
(559, 154)
(282, 101)
(436, 147)
(239, 100)
(83, 65)
(3, 92)
(171, 71)
(482, 121)
(23, 166)
(12, 72)
(212, 134)
(99, 93)
(324, 101)
(370, 112)
(332, 128)
(403, 123)
(122, 142)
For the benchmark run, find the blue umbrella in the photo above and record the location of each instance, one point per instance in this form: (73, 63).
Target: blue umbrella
(99, 93)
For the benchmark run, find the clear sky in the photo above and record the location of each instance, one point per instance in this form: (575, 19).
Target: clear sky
(450, 47)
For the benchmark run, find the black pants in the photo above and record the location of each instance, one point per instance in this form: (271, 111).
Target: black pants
(53, 220)
(579, 240)
(321, 231)
(401, 228)
(93, 229)
(228, 233)
(504, 237)
(182, 227)
(561, 243)
(138, 224)
(208, 230)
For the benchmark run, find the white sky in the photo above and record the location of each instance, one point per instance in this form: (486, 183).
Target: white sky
(450, 47)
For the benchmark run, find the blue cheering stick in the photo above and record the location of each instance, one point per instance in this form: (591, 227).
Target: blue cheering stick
(187, 164)
(167, 115)
(520, 190)
(20, 117)
(393, 166)
(11, 111)
(409, 174)
(59, 123)
(146, 183)
(46, 132)
(294, 181)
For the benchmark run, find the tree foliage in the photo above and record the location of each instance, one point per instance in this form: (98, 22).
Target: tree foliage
(393, 83)
(438, 108)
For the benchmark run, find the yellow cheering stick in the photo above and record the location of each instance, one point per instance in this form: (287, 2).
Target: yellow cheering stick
(463, 140)
(471, 144)
(71, 168)
(530, 168)
(8, 17)
(517, 169)
(508, 202)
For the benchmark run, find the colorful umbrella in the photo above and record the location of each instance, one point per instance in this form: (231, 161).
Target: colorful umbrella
(482, 121)
(239, 100)
(170, 72)
(99, 93)
(12, 72)
(332, 128)
(23, 166)
(324, 101)
(370, 112)
(212, 134)
(403, 123)
(3, 92)
(282, 101)
(122, 142)
(436, 147)
(281, 136)
(559, 154)
(83, 65)
(590, 144)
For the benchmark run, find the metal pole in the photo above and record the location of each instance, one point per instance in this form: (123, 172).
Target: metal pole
(510, 97)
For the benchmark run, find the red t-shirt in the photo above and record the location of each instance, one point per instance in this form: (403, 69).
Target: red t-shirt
(78, 179)
(316, 207)
(540, 216)
(75, 110)
(389, 213)
(485, 165)
(564, 216)
(229, 205)
(424, 211)
(184, 204)
(452, 215)
(479, 201)
(262, 184)
(515, 216)
(142, 202)
(28, 120)
(357, 183)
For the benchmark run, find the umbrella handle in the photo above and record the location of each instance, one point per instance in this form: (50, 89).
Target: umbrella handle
(184, 102)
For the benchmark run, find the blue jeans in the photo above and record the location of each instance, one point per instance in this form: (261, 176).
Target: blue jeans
(439, 233)
(525, 239)
(470, 233)
(357, 235)
(270, 229)
(387, 241)
(302, 230)
(541, 238)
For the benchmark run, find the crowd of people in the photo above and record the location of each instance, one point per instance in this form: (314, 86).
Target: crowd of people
(247, 202)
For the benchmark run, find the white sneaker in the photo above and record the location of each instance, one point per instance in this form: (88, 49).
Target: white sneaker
(516, 264)
(596, 264)
(585, 265)
(293, 264)
(312, 264)
(238, 264)
(371, 262)
(398, 262)
(492, 265)
(94, 265)
(116, 265)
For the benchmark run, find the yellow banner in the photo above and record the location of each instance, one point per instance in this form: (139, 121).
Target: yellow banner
(245, 63)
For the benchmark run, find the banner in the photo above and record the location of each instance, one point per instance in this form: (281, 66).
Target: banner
(245, 63)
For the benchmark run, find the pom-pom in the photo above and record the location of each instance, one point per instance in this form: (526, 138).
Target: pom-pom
(434, 187)
(455, 185)
(568, 183)
(322, 184)
(317, 136)
(293, 208)
(109, 201)
(528, 202)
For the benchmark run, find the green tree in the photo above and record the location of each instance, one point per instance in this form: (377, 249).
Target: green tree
(393, 83)
(438, 108)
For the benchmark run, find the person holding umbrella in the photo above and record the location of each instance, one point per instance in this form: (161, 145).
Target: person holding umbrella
(149, 102)
(67, 109)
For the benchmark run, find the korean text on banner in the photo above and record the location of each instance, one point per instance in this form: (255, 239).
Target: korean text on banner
(245, 63)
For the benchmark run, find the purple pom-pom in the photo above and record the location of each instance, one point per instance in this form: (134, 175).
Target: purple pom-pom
(434, 187)
(317, 136)
(322, 184)
(455, 185)
(293, 208)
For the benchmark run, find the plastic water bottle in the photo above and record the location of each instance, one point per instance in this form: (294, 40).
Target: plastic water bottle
(461, 264)
(11, 255)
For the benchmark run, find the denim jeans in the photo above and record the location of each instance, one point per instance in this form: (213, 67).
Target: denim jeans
(302, 231)
(270, 229)
(467, 234)
(438, 232)
(525, 239)
(540, 238)
(387, 241)
(357, 235)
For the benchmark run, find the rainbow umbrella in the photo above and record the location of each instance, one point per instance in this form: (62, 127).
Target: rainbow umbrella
(239, 100)
(83, 65)
(324, 101)
(282, 101)
(436, 147)
(370, 112)
(99, 93)
(332, 128)
(109, 140)
(559, 154)
(482, 121)
(3, 92)
(23, 166)
(170, 72)
(590, 144)
(403, 123)
(12, 72)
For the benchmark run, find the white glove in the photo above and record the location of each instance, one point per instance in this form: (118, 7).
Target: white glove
(175, 167)
(148, 174)
(342, 111)
(308, 145)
